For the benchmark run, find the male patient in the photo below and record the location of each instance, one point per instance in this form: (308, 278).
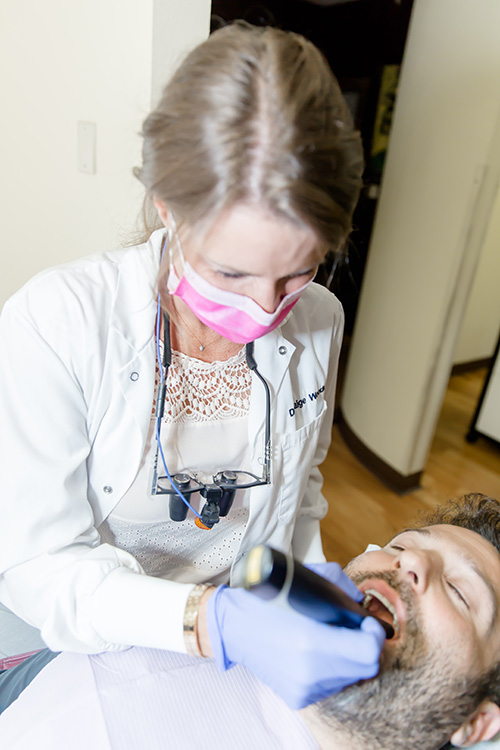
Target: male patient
(439, 583)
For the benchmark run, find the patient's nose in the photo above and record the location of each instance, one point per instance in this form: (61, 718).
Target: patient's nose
(417, 567)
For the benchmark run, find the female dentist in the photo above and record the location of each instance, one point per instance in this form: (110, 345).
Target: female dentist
(165, 407)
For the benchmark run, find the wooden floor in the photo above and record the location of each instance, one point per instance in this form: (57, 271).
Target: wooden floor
(363, 510)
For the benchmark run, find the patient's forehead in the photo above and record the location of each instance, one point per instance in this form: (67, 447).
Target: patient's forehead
(446, 537)
(456, 543)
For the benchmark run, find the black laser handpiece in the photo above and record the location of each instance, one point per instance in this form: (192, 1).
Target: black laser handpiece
(271, 575)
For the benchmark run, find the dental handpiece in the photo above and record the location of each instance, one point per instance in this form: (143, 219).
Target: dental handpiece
(271, 575)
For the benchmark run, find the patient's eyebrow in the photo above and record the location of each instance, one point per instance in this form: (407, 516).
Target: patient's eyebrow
(428, 532)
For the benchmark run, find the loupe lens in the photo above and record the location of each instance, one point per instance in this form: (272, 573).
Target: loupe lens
(177, 507)
(226, 501)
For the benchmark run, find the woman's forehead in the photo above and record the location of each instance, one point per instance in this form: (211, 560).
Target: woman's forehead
(247, 232)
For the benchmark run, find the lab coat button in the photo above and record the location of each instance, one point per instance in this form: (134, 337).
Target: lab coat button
(282, 350)
(107, 489)
(134, 376)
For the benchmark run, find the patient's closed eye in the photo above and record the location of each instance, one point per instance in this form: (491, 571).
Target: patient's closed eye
(458, 593)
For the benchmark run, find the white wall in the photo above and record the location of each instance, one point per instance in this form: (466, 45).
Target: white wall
(439, 184)
(61, 62)
(481, 324)
(178, 25)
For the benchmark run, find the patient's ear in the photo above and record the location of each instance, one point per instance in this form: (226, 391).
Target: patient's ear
(483, 725)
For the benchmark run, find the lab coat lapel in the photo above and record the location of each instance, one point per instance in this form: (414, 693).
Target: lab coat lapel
(133, 326)
(134, 310)
(132, 343)
(272, 354)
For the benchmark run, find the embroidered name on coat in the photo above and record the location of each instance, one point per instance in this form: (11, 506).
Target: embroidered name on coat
(301, 402)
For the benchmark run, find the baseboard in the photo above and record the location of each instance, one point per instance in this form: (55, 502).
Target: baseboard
(395, 481)
(475, 364)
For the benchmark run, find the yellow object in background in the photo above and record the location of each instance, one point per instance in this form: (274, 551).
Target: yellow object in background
(383, 118)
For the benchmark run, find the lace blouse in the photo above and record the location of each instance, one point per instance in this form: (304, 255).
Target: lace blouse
(204, 429)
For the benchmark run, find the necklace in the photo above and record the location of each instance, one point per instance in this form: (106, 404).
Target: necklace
(201, 347)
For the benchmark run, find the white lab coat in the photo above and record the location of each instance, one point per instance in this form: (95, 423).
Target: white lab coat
(76, 391)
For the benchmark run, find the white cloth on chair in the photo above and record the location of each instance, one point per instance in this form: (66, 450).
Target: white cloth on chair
(151, 699)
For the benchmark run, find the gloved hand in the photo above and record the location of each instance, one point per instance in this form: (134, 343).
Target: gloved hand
(334, 573)
(301, 659)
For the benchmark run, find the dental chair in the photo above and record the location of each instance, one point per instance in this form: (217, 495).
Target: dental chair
(18, 640)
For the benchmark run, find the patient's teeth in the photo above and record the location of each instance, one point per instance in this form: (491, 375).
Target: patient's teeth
(367, 600)
(372, 593)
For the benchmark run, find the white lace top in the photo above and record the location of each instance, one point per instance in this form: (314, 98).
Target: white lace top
(204, 430)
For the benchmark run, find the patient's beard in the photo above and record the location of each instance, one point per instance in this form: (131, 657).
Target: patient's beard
(416, 701)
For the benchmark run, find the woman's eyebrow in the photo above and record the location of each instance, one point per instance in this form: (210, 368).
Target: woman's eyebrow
(471, 563)
(217, 266)
(223, 267)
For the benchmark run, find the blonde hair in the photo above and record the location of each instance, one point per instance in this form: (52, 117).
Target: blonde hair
(254, 115)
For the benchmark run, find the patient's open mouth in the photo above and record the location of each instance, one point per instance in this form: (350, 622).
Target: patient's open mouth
(377, 604)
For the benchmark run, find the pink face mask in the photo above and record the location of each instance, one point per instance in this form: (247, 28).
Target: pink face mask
(235, 316)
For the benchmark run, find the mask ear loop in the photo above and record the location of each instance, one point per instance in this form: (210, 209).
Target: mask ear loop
(160, 399)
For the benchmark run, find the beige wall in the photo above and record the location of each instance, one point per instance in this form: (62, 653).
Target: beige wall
(481, 324)
(62, 62)
(178, 26)
(436, 200)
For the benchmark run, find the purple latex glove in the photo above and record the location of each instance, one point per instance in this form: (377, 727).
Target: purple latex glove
(301, 659)
(334, 573)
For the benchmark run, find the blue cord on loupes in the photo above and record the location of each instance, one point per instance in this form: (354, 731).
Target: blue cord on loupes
(158, 416)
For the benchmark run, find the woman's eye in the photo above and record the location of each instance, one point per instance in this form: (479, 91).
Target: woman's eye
(458, 593)
(228, 275)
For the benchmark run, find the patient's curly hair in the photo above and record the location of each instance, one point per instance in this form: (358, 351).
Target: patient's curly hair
(474, 511)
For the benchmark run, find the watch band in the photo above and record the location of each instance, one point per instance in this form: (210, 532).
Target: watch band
(190, 618)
